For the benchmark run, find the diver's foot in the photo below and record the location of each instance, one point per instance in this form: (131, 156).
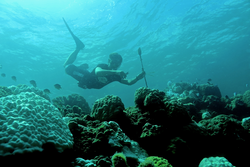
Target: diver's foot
(79, 43)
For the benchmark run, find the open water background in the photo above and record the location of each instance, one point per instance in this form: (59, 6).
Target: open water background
(181, 40)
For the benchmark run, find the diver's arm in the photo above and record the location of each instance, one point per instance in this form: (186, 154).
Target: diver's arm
(134, 80)
(99, 72)
(129, 81)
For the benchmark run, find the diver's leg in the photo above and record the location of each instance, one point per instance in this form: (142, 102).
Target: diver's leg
(77, 73)
(79, 43)
(79, 46)
(72, 57)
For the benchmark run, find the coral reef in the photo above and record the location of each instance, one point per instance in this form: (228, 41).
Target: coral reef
(179, 126)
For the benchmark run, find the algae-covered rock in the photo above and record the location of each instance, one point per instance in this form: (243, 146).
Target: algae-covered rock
(107, 108)
(222, 125)
(140, 96)
(246, 98)
(93, 138)
(181, 86)
(246, 123)
(82, 162)
(209, 89)
(150, 130)
(157, 161)
(119, 160)
(148, 98)
(73, 103)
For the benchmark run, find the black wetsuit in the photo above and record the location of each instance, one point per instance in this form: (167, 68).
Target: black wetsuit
(89, 80)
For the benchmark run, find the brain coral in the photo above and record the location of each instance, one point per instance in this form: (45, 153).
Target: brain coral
(27, 121)
(4, 91)
(25, 88)
(215, 161)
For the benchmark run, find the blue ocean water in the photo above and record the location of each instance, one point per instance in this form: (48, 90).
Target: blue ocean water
(181, 40)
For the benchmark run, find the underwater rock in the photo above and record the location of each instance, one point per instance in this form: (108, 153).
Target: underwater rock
(107, 108)
(206, 115)
(154, 100)
(186, 99)
(180, 88)
(238, 107)
(150, 130)
(73, 103)
(94, 138)
(246, 98)
(154, 161)
(208, 89)
(101, 160)
(119, 160)
(222, 125)
(140, 96)
(82, 162)
(228, 137)
(177, 89)
(212, 103)
(146, 98)
(246, 123)
(193, 94)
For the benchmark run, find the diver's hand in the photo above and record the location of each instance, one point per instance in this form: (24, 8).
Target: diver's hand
(141, 75)
(122, 74)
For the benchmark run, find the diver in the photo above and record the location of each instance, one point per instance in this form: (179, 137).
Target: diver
(102, 74)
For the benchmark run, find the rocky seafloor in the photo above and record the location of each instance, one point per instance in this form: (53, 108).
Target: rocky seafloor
(184, 125)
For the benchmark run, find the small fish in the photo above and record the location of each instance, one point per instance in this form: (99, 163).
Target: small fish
(235, 93)
(57, 86)
(32, 82)
(246, 85)
(14, 78)
(1, 66)
(169, 83)
(197, 94)
(47, 91)
(3, 75)
(209, 80)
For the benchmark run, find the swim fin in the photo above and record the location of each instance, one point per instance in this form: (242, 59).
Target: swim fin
(79, 43)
